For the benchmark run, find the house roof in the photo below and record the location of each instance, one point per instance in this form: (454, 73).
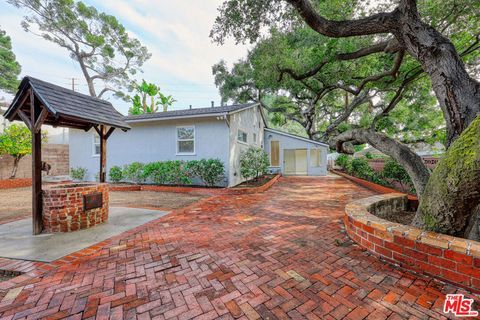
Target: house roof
(65, 107)
(189, 113)
(297, 137)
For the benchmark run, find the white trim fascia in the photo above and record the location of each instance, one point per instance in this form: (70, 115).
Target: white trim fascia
(297, 137)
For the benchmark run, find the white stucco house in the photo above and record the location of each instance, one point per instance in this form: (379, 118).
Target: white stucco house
(216, 132)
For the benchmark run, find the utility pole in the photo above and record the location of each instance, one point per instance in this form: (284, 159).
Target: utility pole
(73, 84)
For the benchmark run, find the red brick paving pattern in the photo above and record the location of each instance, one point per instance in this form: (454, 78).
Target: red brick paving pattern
(276, 255)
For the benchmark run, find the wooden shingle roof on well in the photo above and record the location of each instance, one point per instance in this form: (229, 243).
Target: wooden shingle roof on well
(66, 107)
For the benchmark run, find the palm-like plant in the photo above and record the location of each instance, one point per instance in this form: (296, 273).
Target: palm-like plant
(165, 101)
(140, 100)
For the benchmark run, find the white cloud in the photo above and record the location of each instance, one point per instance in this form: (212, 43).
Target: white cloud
(176, 33)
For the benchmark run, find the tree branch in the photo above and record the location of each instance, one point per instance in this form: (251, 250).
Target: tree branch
(375, 24)
(405, 156)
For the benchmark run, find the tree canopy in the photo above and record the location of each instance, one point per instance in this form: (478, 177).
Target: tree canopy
(101, 45)
(16, 141)
(397, 27)
(9, 67)
(384, 61)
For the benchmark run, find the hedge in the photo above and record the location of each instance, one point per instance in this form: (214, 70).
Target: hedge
(174, 172)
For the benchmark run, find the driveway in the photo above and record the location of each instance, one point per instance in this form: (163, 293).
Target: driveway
(281, 254)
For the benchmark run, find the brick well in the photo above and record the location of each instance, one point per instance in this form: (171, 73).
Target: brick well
(63, 207)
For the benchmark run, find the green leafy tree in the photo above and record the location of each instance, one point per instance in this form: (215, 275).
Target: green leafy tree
(16, 141)
(9, 67)
(253, 163)
(97, 41)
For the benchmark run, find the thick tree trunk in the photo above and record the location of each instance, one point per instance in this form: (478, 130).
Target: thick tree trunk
(453, 191)
(408, 159)
(16, 160)
(458, 94)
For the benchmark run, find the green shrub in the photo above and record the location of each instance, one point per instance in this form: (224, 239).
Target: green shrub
(345, 162)
(362, 169)
(253, 163)
(156, 172)
(78, 173)
(393, 170)
(177, 172)
(168, 172)
(115, 174)
(210, 171)
(134, 172)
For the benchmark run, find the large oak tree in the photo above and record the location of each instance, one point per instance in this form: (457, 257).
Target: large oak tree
(401, 30)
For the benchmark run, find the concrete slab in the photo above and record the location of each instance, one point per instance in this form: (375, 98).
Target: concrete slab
(17, 241)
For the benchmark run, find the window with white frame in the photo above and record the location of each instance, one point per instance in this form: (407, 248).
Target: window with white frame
(242, 136)
(186, 140)
(96, 145)
(315, 157)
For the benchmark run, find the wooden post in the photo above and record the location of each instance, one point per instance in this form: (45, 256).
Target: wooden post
(103, 153)
(36, 168)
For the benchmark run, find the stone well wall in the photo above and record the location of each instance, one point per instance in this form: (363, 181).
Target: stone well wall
(63, 207)
(447, 258)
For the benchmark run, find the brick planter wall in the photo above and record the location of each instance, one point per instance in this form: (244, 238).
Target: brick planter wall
(63, 209)
(447, 258)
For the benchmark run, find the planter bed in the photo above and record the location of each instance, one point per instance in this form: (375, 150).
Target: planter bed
(194, 189)
(15, 183)
(370, 185)
(444, 257)
(246, 188)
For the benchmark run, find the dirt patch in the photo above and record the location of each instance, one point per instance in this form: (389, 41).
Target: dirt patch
(260, 181)
(16, 204)
(403, 217)
(167, 200)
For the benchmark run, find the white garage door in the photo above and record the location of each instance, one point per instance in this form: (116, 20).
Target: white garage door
(295, 161)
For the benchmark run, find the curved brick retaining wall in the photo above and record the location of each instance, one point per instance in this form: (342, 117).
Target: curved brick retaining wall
(63, 207)
(444, 257)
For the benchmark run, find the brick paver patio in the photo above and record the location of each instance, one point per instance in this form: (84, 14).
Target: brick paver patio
(277, 255)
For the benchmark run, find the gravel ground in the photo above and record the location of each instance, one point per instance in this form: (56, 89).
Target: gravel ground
(16, 203)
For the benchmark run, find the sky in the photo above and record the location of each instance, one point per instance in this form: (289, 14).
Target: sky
(175, 32)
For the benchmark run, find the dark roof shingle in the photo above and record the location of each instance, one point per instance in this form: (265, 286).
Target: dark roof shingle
(62, 102)
(189, 112)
